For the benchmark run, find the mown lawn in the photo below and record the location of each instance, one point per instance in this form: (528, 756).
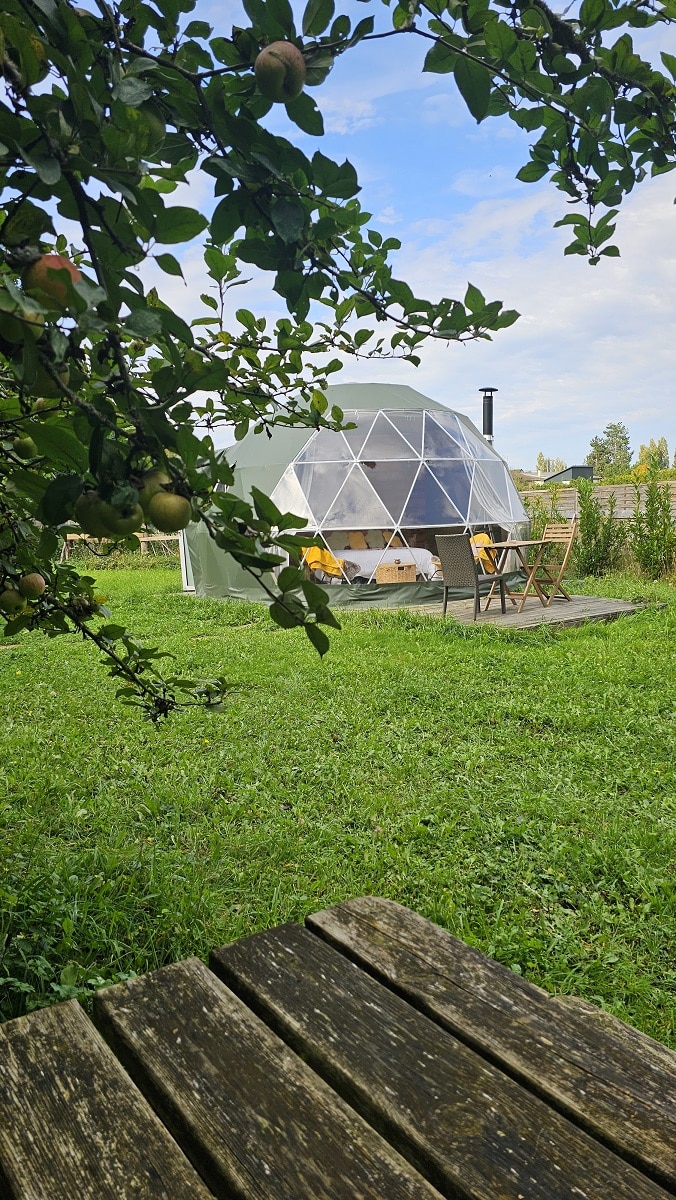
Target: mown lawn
(518, 789)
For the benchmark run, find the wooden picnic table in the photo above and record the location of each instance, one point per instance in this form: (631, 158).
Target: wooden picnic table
(366, 1056)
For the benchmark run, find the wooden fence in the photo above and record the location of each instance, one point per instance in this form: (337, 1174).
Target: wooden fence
(567, 501)
(166, 539)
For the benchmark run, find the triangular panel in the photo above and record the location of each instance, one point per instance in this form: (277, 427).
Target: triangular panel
(288, 496)
(410, 426)
(355, 438)
(455, 477)
(439, 443)
(384, 442)
(428, 505)
(487, 506)
(326, 446)
(476, 445)
(449, 421)
(320, 483)
(393, 481)
(356, 506)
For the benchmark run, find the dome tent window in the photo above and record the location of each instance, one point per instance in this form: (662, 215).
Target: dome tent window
(409, 469)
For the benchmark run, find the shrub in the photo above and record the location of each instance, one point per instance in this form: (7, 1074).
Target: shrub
(652, 532)
(543, 510)
(601, 537)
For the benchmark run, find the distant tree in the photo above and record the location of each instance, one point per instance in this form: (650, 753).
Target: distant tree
(656, 452)
(610, 453)
(549, 466)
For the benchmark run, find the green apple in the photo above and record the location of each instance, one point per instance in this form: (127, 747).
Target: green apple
(11, 602)
(15, 325)
(153, 482)
(121, 524)
(280, 72)
(24, 447)
(168, 512)
(88, 515)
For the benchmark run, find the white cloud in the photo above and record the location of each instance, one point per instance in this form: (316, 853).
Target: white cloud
(388, 216)
(345, 115)
(594, 344)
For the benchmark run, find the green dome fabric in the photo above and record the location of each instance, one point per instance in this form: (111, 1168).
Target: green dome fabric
(409, 468)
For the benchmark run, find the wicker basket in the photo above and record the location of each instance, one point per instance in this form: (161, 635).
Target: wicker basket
(396, 572)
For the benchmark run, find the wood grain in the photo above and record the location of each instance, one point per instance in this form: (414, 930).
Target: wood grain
(473, 1131)
(620, 1088)
(256, 1120)
(72, 1124)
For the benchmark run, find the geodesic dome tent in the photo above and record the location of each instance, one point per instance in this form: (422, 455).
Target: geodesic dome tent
(376, 494)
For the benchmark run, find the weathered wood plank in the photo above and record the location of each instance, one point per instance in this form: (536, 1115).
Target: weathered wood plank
(471, 1129)
(72, 1124)
(623, 1090)
(258, 1122)
(561, 613)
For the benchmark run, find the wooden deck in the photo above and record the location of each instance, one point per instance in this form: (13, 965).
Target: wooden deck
(560, 612)
(369, 1054)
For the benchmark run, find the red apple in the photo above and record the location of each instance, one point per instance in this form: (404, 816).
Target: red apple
(40, 282)
(31, 586)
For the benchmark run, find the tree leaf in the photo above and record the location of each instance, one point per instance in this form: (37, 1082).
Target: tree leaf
(169, 264)
(592, 13)
(532, 172)
(317, 16)
(133, 91)
(500, 39)
(288, 218)
(25, 224)
(47, 167)
(474, 85)
(58, 443)
(305, 114)
(179, 224)
(474, 301)
(264, 506)
(56, 505)
(281, 616)
(441, 59)
(144, 322)
(317, 637)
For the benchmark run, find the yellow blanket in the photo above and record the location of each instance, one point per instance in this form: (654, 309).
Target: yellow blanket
(322, 560)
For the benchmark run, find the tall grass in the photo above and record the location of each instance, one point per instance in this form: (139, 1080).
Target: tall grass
(518, 788)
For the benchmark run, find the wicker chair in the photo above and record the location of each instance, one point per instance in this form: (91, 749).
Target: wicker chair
(459, 569)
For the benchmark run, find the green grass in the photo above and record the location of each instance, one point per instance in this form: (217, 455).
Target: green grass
(516, 788)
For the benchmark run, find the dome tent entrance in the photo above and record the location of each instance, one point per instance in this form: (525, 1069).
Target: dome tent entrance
(376, 494)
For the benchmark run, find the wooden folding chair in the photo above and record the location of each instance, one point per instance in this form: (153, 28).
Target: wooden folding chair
(545, 578)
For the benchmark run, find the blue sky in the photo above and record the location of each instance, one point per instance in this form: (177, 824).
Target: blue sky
(594, 344)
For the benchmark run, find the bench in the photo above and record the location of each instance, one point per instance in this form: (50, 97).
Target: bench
(368, 1054)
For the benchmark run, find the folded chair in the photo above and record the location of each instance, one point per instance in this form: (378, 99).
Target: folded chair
(544, 579)
(459, 569)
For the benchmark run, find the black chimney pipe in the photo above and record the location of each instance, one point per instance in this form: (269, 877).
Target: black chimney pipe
(488, 412)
